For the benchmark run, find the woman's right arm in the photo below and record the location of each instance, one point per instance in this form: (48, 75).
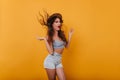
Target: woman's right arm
(49, 47)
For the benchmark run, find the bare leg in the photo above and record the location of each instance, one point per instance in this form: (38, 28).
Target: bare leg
(60, 73)
(51, 74)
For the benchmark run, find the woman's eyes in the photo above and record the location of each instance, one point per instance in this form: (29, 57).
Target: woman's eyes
(56, 21)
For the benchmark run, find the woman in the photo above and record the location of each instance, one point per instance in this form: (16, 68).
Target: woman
(55, 43)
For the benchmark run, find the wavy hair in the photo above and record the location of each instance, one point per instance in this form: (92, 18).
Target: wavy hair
(48, 20)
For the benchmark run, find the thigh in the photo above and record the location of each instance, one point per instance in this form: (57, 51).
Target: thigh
(51, 74)
(49, 62)
(60, 73)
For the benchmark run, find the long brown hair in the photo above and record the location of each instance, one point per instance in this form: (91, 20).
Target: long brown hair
(48, 21)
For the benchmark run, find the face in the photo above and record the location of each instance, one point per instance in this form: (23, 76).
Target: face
(57, 24)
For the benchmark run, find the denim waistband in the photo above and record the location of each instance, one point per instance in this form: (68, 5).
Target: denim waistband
(57, 54)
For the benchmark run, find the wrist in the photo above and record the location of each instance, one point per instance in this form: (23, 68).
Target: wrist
(69, 37)
(45, 39)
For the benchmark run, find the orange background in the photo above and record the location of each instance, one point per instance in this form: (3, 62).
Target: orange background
(94, 53)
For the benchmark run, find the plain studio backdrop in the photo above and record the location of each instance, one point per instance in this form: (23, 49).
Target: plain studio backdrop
(94, 53)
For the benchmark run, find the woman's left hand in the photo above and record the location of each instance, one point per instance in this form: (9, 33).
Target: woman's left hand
(71, 32)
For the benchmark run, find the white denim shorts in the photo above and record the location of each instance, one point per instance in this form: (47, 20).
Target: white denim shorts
(53, 61)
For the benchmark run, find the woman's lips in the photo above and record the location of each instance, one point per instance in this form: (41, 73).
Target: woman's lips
(59, 26)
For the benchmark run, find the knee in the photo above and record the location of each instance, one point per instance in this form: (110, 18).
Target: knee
(61, 78)
(52, 78)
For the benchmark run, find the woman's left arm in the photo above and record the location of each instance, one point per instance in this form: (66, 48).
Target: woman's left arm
(69, 38)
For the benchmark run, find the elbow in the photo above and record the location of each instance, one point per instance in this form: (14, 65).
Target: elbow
(66, 46)
(50, 51)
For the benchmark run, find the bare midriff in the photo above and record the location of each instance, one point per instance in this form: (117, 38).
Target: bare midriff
(59, 50)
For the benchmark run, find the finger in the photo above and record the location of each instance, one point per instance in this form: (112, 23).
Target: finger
(37, 36)
(71, 30)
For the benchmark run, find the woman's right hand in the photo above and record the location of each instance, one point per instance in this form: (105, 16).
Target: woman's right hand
(40, 38)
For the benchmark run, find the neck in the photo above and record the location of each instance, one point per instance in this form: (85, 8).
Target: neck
(55, 33)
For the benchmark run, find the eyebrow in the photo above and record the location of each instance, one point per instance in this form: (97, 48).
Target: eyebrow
(57, 21)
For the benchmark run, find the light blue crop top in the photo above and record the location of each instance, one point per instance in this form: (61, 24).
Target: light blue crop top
(58, 44)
